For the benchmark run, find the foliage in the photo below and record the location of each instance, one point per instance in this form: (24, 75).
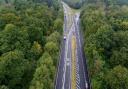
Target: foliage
(44, 74)
(106, 43)
(12, 69)
(28, 29)
(117, 78)
(3, 87)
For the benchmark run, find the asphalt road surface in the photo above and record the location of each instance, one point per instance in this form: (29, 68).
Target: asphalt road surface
(64, 74)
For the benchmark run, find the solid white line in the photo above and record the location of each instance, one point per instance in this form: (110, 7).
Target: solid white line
(70, 69)
(78, 76)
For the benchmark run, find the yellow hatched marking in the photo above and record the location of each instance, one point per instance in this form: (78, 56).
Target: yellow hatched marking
(73, 82)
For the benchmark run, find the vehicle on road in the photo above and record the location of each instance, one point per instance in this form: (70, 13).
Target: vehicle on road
(64, 37)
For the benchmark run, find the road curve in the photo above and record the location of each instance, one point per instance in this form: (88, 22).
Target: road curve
(72, 71)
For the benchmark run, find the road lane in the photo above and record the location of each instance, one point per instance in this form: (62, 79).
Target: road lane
(79, 54)
(82, 59)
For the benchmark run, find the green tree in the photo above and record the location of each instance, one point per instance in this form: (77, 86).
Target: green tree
(117, 78)
(96, 84)
(119, 57)
(103, 37)
(58, 25)
(36, 50)
(54, 37)
(3, 87)
(12, 38)
(53, 50)
(12, 68)
(44, 74)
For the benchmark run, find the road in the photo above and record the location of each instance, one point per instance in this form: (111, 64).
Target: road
(72, 69)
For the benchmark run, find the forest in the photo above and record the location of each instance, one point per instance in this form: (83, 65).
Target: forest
(30, 40)
(30, 33)
(105, 30)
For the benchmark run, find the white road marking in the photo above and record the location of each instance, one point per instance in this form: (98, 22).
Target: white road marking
(77, 72)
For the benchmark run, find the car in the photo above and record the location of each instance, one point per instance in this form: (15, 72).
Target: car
(64, 37)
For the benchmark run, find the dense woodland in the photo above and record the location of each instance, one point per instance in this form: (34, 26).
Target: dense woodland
(105, 27)
(30, 33)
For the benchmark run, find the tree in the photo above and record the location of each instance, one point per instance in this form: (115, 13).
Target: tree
(98, 65)
(6, 1)
(3, 87)
(44, 74)
(96, 84)
(54, 37)
(8, 18)
(103, 37)
(53, 50)
(122, 26)
(117, 78)
(36, 50)
(41, 79)
(12, 68)
(119, 57)
(120, 39)
(58, 25)
(12, 38)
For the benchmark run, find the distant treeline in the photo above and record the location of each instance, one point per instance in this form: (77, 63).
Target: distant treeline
(50, 3)
(79, 3)
(75, 3)
(114, 2)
